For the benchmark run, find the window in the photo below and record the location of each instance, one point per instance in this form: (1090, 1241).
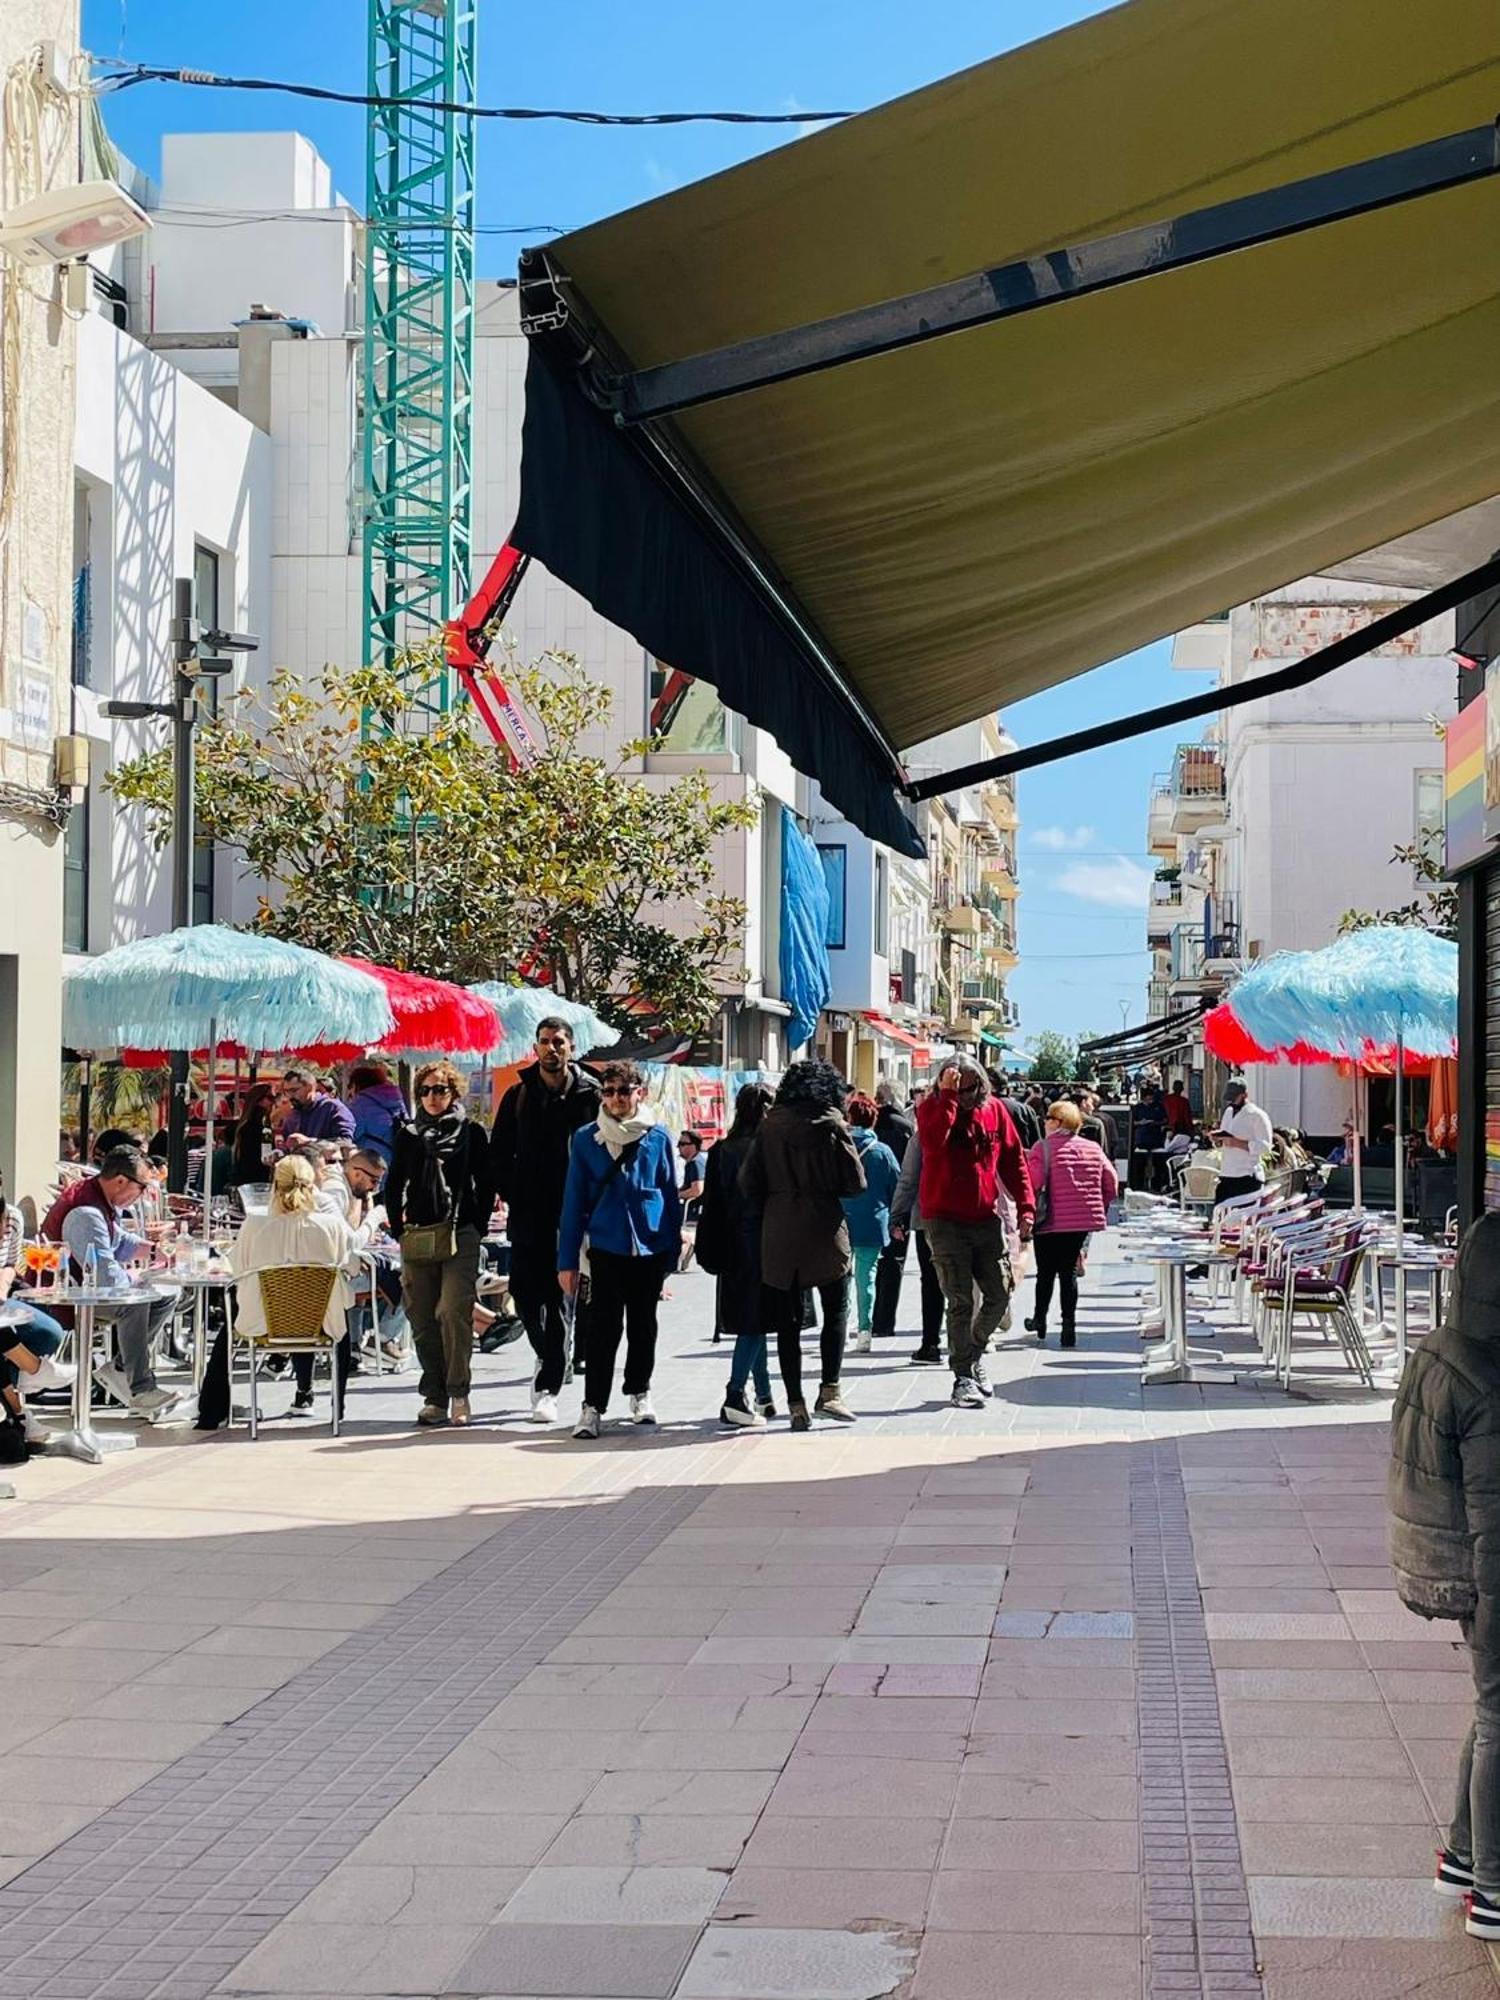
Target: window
(206, 611)
(836, 873)
(76, 878)
(881, 927)
(1429, 813)
(686, 716)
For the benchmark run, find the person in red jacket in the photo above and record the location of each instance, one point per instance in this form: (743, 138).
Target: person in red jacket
(970, 1151)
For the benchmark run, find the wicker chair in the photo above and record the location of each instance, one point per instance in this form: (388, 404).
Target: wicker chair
(294, 1299)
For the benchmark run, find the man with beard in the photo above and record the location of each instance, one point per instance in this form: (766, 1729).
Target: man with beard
(529, 1150)
(970, 1150)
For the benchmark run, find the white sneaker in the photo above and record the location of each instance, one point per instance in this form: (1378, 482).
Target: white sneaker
(36, 1431)
(641, 1411)
(861, 1343)
(543, 1407)
(589, 1423)
(52, 1374)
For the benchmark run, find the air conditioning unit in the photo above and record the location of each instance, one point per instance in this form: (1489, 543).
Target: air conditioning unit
(68, 223)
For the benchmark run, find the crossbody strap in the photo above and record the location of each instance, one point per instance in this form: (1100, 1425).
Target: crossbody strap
(626, 1153)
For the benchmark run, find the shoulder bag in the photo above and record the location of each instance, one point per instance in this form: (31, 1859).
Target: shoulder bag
(1043, 1214)
(433, 1242)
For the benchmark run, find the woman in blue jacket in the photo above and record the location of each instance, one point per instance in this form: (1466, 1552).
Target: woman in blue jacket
(868, 1214)
(621, 1200)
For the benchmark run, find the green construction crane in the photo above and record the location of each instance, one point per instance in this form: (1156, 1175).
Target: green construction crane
(419, 331)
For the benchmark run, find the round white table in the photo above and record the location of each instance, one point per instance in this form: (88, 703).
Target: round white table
(80, 1440)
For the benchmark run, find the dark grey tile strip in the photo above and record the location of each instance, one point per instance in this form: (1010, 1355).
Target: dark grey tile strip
(162, 1895)
(1199, 1944)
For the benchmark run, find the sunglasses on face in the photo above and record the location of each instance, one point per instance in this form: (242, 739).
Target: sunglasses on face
(619, 1090)
(434, 1090)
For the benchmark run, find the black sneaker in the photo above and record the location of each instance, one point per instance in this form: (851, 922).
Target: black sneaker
(767, 1408)
(1067, 1338)
(927, 1357)
(1481, 1915)
(735, 1411)
(302, 1405)
(1454, 1878)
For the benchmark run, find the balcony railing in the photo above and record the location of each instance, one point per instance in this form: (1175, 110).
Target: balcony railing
(1198, 772)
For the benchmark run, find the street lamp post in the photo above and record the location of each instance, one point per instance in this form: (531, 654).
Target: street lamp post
(190, 666)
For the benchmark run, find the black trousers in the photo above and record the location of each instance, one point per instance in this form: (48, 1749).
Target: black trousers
(539, 1301)
(1057, 1260)
(623, 1297)
(782, 1314)
(1236, 1184)
(888, 1275)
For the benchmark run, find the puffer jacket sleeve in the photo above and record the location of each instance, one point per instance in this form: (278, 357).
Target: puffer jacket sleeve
(1430, 1546)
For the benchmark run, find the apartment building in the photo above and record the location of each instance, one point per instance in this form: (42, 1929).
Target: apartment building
(1290, 812)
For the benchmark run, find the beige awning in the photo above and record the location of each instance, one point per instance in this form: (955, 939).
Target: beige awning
(974, 518)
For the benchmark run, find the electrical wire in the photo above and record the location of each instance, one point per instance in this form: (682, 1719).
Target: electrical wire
(136, 73)
(190, 215)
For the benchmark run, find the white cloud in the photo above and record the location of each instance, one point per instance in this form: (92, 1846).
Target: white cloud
(1120, 883)
(1062, 839)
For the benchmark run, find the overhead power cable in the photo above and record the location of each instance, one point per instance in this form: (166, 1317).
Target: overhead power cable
(127, 76)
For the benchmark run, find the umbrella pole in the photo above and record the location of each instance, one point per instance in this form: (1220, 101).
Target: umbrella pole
(200, 1292)
(1400, 1356)
(1359, 1192)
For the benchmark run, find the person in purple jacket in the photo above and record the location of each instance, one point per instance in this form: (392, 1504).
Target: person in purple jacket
(1080, 1183)
(312, 1113)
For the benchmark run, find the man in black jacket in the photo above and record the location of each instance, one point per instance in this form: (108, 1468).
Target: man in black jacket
(894, 1127)
(529, 1149)
(1444, 1494)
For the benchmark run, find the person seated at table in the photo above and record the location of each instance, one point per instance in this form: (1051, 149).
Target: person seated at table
(1381, 1152)
(311, 1112)
(29, 1339)
(89, 1218)
(348, 1180)
(294, 1230)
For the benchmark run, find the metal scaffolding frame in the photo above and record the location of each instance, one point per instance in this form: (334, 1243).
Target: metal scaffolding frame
(418, 371)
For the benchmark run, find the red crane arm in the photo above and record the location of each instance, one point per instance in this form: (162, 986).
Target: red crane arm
(466, 645)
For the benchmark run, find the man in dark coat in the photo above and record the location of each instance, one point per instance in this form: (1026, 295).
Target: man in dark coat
(802, 1164)
(1444, 1493)
(894, 1127)
(529, 1150)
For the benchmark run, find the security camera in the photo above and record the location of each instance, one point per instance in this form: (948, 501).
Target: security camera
(69, 222)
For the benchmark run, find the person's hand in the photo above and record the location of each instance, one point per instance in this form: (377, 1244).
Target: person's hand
(569, 1282)
(1026, 1231)
(898, 1232)
(949, 1078)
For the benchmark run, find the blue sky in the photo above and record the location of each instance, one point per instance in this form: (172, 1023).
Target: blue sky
(1083, 833)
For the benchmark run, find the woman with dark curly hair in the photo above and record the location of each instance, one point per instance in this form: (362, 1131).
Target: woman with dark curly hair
(438, 1198)
(801, 1166)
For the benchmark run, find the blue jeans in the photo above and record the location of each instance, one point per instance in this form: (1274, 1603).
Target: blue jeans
(39, 1332)
(749, 1358)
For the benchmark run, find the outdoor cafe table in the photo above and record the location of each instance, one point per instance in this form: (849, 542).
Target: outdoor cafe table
(1435, 1261)
(1172, 1256)
(214, 1277)
(81, 1440)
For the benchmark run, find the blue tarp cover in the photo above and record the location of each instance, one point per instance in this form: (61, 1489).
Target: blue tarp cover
(805, 981)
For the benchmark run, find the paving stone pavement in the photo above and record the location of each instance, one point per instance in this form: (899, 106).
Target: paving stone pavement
(1085, 1694)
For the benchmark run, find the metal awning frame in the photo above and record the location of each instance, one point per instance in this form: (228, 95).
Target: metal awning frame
(643, 401)
(649, 394)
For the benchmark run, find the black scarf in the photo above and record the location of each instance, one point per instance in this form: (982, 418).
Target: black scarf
(437, 1180)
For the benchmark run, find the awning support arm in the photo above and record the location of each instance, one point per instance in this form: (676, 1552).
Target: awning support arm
(1008, 290)
(1340, 654)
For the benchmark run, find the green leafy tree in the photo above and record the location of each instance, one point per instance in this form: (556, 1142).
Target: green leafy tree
(1435, 905)
(1053, 1057)
(415, 844)
(1085, 1063)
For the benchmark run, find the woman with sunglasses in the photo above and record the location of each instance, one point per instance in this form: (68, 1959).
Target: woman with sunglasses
(438, 1200)
(621, 1200)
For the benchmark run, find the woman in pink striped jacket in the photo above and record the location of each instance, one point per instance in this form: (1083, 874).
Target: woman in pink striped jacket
(1081, 1182)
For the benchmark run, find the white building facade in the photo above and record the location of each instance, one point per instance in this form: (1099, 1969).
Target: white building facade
(1291, 812)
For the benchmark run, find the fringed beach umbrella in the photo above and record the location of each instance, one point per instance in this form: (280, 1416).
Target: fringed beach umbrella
(522, 1008)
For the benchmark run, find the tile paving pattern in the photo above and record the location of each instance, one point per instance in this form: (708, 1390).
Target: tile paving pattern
(167, 1891)
(1054, 1701)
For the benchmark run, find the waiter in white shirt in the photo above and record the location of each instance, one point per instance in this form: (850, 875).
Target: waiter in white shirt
(1244, 1139)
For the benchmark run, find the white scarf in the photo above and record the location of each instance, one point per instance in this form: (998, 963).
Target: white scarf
(617, 1133)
